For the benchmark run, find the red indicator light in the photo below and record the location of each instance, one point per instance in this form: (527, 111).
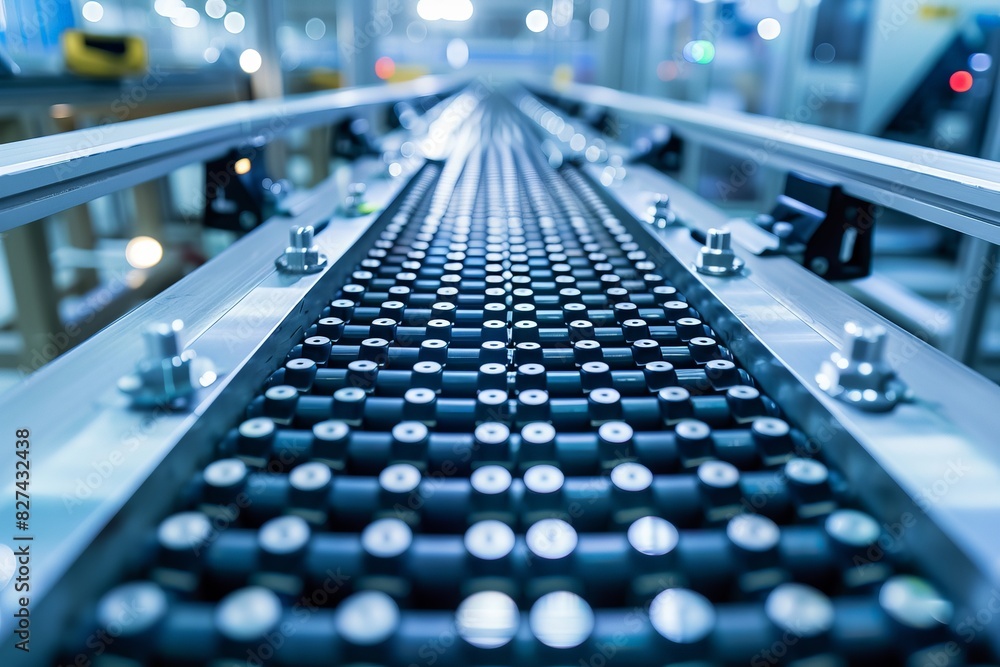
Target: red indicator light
(385, 67)
(960, 81)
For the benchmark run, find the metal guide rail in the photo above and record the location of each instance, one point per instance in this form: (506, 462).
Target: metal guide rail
(506, 422)
(509, 434)
(39, 177)
(956, 191)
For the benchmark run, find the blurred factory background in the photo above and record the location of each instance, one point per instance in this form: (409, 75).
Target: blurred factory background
(918, 71)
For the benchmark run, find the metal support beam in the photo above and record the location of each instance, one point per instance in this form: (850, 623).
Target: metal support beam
(359, 27)
(611, 63)
(268, 81)
(79, 226)
(81, 235)
(977, 263)
(149, 208)
(34, 295)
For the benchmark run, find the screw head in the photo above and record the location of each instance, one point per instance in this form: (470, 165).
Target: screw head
(302, 255)
(163, 339)
(719, 239)
(859, 375)
(660, 212)
(716, 257)
(166, 376)
(355, 199)
(301, 237)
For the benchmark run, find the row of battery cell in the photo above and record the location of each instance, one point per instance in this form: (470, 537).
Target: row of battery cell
(509, 439)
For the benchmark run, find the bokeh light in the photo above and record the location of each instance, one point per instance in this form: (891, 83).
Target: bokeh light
(92, 11)
(537, 20)
(960, 81)
(250, 61)
(700, 51)
(143, 252)
(385, 67)
(769, 29)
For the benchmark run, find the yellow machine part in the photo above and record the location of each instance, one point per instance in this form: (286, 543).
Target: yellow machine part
(103, 55)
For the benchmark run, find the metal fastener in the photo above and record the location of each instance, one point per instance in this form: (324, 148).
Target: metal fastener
(660, 213)
(859, 375)
(166, 375)
(716, 258)
(355, 202)
(301, 255)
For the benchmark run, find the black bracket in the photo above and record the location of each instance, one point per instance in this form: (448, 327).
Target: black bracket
(664, 154)
(352, 138)
(238, 193)
(829, 230)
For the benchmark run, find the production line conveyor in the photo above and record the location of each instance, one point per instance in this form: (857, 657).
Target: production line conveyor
(516, 418)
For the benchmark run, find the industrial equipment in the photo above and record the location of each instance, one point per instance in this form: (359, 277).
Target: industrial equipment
(103, 55)
(517, 400)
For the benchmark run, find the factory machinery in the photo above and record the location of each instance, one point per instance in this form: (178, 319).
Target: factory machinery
(521, 400)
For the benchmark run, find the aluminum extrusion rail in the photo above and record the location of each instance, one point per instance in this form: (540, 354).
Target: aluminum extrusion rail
(956, 191)
(39, 177)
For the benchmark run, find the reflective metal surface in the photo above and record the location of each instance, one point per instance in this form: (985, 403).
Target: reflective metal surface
(561, 620)
(923, 467)
(956, 191)
(39, 177)
(488, 619)
(682, 616)
(926, 466)
(87, 464)
(367, 618)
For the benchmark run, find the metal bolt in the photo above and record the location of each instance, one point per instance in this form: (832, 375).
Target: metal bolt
(662, 215)
(301, 255)
(866, 345)
(860, 375)
(166, 375)
(716, 257)
(302, 237)
(355, 199)
(719, 239)
(162, 339)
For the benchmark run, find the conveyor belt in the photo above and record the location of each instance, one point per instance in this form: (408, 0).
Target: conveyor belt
(511, 440)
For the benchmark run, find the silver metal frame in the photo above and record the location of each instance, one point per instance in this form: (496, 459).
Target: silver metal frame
(955, 191)
(102, 469)
(38, 94)
(778, 318)
(39, 177)
(927, 469)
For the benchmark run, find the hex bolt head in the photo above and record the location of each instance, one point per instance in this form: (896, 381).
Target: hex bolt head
(302, 255)
(661, 213)
(716, 257)
(166, 376)
(719, 239)
(355, 200)
(162, 339)
(859, 375)
(865, 345)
